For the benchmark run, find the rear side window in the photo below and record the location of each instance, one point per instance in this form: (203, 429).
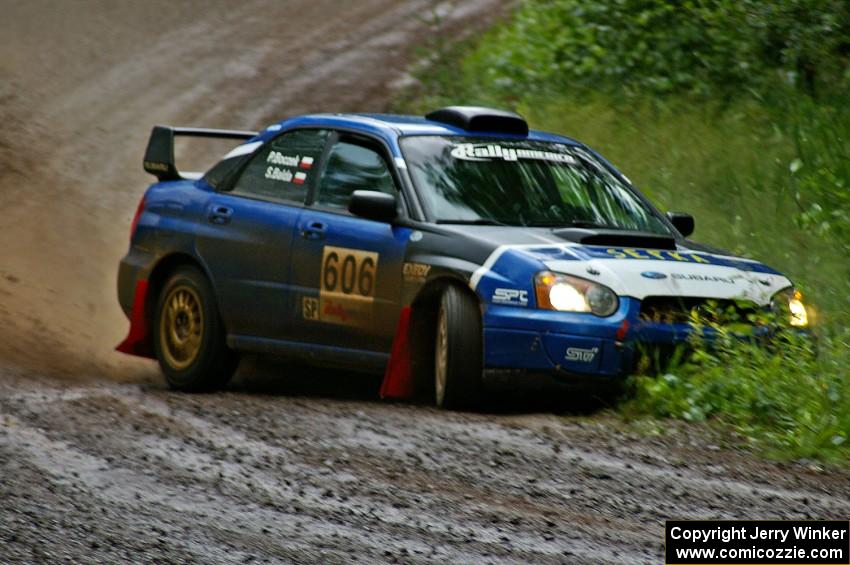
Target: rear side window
(283, 168)
(351, 167)
(224, 169)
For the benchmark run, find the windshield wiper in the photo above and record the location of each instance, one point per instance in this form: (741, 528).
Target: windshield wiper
(475, 222)
(573, 224)
(586, 224)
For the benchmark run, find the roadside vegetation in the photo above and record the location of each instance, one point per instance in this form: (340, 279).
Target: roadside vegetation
(736, 111)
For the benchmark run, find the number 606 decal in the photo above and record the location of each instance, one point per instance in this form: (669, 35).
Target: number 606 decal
(347, 286)
(349, 271)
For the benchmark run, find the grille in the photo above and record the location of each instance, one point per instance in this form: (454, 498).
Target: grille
(677, 309)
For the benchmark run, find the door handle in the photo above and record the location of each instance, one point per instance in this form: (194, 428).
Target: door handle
(220, 214)
(314, 230)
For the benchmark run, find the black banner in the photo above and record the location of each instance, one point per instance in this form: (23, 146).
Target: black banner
(765, 542)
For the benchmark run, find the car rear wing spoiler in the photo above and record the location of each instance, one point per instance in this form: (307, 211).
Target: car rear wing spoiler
(159, 156)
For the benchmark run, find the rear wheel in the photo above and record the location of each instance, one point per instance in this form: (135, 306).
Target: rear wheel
(458, 351)
(189, 338)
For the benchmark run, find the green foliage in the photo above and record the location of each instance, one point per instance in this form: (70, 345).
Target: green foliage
(784, 398)
(820, 171)
(637, 47)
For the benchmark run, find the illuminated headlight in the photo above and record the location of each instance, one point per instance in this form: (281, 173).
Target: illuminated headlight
(790, 302)
(572, 294)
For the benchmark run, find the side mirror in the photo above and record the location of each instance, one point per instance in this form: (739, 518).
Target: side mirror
(373, 205)
(682, 222)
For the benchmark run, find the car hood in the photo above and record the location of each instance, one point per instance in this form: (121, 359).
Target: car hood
(681, 269)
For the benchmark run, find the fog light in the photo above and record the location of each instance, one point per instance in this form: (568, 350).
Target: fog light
(799, 317)
(789, 302)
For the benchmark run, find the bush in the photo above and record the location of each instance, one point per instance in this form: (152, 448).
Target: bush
(820, 170)
(715, 48)
(784, 399)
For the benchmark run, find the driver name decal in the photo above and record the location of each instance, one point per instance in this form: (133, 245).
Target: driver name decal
(274, 173)
(276, 160)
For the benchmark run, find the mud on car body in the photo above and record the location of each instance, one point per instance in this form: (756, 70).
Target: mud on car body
(442, 250)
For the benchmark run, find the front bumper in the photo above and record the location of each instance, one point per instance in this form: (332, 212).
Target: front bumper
(574, 346)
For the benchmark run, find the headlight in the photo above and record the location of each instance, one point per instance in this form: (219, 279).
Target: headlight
(789, 302)
(572, 294)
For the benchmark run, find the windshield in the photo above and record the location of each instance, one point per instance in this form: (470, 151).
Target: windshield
(525, 183)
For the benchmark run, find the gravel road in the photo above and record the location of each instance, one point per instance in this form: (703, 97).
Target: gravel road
(99, 462)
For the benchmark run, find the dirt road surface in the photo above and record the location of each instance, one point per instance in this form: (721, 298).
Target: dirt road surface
(100, 463)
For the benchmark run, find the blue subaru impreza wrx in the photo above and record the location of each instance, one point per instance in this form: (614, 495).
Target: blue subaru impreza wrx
(442, 250)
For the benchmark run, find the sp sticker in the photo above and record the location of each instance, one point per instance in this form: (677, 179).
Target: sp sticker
(581, 355)
(510, 296)
(347, 286)
(310, 308)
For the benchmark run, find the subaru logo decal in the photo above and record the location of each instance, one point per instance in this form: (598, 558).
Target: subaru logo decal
(653, 275)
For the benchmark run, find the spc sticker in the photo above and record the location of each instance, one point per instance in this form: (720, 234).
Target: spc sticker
(511, 296)
(347, 286)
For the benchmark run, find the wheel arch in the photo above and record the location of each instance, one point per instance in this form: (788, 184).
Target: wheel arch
(159, 276)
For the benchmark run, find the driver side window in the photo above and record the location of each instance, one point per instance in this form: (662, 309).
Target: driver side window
(352, 166)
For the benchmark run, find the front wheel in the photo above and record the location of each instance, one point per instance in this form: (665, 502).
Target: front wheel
(458, 351)
(189, 338)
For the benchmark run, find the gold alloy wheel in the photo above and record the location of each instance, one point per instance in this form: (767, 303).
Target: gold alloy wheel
(181, 327)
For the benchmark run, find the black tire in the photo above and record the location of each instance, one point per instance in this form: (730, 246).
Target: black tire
(458, 351)
(189, 337)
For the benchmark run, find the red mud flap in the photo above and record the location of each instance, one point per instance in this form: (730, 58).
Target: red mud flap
(137, 342)
(398, 379)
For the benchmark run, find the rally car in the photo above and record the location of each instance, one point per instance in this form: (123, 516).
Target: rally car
(442, 250)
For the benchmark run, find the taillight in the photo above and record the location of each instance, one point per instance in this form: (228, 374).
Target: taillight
(139, 210)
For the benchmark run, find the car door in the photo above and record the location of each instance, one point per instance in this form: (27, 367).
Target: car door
(246, 234)
(346, 270)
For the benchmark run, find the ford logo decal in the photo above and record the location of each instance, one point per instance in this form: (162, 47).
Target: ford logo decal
(653, 275)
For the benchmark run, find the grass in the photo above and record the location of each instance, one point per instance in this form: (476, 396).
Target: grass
(790, 399)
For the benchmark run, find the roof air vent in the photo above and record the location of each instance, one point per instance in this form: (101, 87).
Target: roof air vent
(472, 118)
